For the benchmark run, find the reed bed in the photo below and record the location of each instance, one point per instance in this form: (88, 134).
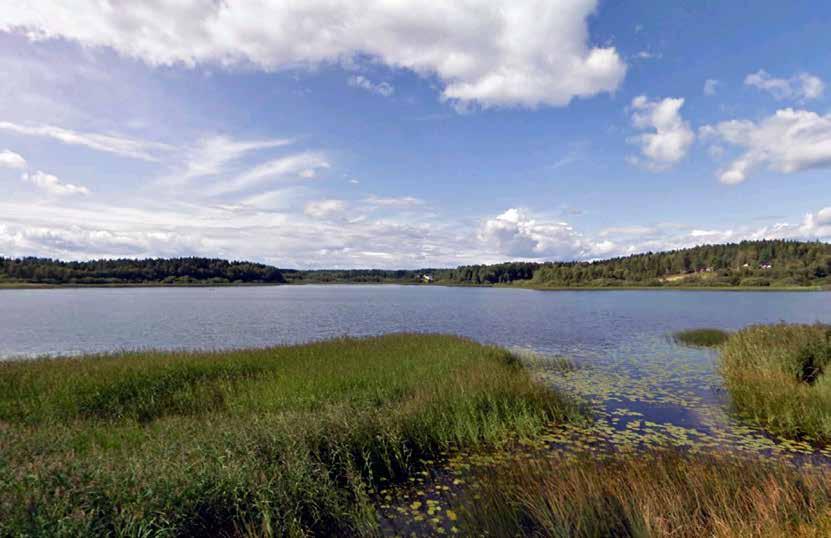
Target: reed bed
(651, 495)
(287, 441)
(775, 375)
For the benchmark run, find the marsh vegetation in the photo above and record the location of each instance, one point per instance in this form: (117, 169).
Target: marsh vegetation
(651, 495)
(775, 375)
(702, 337)
(271, 442)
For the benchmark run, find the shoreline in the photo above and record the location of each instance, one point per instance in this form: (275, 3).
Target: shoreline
(37, 286)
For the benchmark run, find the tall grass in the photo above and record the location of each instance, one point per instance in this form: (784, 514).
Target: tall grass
(651, 495)
(701, 337)
(776, 377)
(282, 441)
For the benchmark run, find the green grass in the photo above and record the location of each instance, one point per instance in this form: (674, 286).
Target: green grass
(702, 337)
(776, 377)
(281, 441)
(650, 495)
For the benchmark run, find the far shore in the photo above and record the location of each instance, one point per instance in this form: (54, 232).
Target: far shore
(36, 286)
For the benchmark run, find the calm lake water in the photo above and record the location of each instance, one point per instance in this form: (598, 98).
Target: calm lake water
(579, 323)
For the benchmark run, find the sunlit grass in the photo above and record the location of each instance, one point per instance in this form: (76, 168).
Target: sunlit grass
(776, 377)
(271, 442)
(650, 495)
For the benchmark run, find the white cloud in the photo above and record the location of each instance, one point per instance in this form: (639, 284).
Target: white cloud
(381, 88)
(516, 234)
(789, 141)
(671, 137)
(321, 209)
(711, 86)
(800, 87)
(393, 201)
(817, 225)
(211, 155)
(127, 147)
(300, 166)
(52, 185)
(487, 52)
(10, 159)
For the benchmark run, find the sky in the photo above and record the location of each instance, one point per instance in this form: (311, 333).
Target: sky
(378, 133)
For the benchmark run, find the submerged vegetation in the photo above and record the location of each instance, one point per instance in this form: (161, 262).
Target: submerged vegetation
(776, 377)
(280, 441)
(701, 337)
(749, 264)
(651, 495)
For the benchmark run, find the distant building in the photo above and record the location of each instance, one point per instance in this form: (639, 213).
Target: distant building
(427, 278)
(766, 266)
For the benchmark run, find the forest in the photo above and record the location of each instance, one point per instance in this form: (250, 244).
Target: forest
(128, 271)
(749, 263)
(768, 263)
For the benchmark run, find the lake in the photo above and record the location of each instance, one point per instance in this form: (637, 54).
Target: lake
(644, 389)
(573, 323)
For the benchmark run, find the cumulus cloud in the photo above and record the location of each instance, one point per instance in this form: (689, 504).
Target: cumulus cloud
(711, 86)
(817, 225)
(516, 234)
(487, 52)
(800, 87)
(10, 159)
(670, 137)
(381, 88)
(127, 147)
(788, 141)
(52, 185)
(304, 165)
(321, 209)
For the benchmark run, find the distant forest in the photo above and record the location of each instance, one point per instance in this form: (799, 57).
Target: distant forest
(749, 263)
(127, 271)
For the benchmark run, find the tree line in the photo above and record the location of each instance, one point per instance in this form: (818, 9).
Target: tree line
(749, 263)
(128, 271)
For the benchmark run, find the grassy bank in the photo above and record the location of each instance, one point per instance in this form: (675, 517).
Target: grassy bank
(776, 377)
(701, 337)
(281, 441)
(651, 495)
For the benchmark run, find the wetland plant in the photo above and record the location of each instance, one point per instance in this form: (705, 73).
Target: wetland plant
(287, 441)
(701, 337)
(650, 495)
(776, 377)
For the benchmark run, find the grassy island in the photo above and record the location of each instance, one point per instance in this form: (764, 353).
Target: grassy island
(701, 337)
(281, 441)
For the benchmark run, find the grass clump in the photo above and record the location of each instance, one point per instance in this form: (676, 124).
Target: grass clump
(701, 337)
(271, 442)
(651, 495)
(776, 376)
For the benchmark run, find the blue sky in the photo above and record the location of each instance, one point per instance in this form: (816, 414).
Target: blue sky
(373, 134)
